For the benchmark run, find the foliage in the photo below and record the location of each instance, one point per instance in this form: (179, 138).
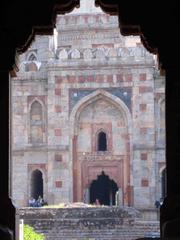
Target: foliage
(30, 234)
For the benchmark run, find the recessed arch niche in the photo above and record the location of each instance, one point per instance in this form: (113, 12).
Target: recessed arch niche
(98, 112)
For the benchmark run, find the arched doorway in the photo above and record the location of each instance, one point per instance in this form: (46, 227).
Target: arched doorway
(36, 184)
(103, 189)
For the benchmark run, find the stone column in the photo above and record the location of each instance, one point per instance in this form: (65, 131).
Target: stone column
(86, 195)
(7, 211)
(170, 210)
(75, 170)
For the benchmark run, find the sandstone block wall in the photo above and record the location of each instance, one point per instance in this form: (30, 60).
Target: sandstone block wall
(96, 223)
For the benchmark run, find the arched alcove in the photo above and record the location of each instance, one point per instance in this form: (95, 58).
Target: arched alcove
(36, 122)
(99, 122)
(36, 184)
(93, 97)
(102, 141)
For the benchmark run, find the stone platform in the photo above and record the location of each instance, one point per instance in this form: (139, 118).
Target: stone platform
(88, 223)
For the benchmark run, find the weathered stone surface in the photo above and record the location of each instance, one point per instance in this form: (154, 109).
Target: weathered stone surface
(88, 223)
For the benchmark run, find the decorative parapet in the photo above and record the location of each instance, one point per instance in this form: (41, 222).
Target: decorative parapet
(122, 55)
(86, 21)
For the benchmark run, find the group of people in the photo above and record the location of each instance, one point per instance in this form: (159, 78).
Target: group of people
(36, 202)
(158, 203)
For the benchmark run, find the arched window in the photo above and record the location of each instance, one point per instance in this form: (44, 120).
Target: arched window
(36, 123)
(102, 141)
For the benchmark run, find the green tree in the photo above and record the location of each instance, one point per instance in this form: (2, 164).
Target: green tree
(30, 234)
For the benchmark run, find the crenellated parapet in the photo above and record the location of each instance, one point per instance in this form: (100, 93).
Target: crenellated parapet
(85, 21)
(122, 55)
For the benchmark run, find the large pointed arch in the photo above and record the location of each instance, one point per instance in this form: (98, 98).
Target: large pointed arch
(80, 181)
(96, 95)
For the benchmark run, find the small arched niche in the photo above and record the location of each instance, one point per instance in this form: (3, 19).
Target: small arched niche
(102, 141)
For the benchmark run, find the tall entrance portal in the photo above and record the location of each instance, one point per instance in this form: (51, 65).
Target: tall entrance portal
(101, 142)
(103, 189)
(36, 184)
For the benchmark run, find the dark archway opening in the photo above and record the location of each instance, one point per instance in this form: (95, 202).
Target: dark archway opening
(102, 142)
(163, 184)
(103, 189)
(36, 184)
